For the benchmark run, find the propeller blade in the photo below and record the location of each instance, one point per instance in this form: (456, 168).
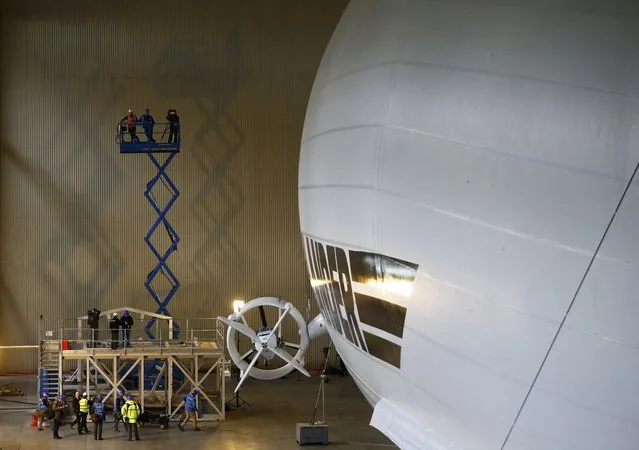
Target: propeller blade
(292, 345)
(279, 322)
(289, 359)
(240, 327)
(263, 316)
(248, 370)
(279, 331)
(247, 354)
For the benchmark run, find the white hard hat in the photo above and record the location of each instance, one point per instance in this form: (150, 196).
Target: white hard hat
(84, 394)
(115, 314)
(130, 110)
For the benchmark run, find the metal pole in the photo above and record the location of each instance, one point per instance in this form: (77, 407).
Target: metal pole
(197, 382)
(115, 379)
(60, 360)
(142, 384)
(88, 376)
(79, 360)
(170, 383)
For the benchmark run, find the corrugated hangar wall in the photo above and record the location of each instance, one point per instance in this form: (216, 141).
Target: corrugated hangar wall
(73, 213)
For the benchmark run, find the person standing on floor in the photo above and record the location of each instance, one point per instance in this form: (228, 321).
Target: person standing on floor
(85, 406)
(58, 408)
(75, 407)
(118, 402)
(190, 406)
(131, 411)
(127, 323)
(43, 406)
(98, 417)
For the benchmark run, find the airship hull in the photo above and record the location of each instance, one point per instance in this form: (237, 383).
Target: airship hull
(469, 219)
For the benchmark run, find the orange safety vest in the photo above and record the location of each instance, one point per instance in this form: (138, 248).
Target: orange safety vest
(131, 120)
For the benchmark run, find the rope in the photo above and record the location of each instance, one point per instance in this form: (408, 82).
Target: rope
(572, 302)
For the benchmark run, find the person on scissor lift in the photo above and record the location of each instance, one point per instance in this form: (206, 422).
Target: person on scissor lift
(174, 125)
(147, 124)
(131, 120)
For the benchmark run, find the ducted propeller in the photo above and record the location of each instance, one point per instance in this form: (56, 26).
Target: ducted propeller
(266, 341)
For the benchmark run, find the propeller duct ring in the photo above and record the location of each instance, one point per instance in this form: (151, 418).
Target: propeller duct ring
(267, 374)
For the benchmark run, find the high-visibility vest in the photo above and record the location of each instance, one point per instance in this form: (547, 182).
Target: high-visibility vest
(131, 411)
(131, 120)
(84, 405)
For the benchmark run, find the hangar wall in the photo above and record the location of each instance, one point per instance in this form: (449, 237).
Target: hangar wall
(72, 209)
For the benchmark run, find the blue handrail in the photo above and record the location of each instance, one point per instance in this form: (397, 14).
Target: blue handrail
(145, 138)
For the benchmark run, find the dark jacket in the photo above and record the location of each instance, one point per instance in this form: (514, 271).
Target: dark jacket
(117, 405)
(75, 405)
(58, 408)
(126, 321)
(44, 404)
(174, 121)
(114, 323)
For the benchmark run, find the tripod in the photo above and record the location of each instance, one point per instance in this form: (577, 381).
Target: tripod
(237, 402)
(321, 393)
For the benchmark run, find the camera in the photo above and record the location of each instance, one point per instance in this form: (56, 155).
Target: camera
(93, 320)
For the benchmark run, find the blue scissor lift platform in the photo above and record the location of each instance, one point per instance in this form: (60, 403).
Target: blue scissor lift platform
(139, 140)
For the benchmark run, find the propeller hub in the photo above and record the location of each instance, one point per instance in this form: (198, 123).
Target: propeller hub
(263, 341)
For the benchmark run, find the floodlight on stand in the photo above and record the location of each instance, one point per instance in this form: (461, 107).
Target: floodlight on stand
(238, 305)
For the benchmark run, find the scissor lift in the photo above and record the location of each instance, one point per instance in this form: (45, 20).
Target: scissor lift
(134, 142)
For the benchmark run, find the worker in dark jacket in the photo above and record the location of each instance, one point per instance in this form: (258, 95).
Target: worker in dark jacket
(57, 408)
(114, 326)
(127, 323)
(75, 408)
(174, 125)
(118, 402)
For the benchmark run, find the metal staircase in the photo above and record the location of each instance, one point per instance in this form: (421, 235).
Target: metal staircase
(49, 372)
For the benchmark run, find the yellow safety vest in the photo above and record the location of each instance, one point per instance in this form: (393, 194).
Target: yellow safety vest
(84, 405)
(131, 411)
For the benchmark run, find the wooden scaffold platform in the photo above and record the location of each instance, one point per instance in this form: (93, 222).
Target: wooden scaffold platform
(183, 365)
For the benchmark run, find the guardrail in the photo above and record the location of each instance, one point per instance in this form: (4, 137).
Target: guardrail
(160, 133)
(194, 330)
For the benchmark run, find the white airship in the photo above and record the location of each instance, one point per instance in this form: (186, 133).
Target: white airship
(470, 217)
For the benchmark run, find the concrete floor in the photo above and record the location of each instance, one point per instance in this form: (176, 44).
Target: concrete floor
(267, 423)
